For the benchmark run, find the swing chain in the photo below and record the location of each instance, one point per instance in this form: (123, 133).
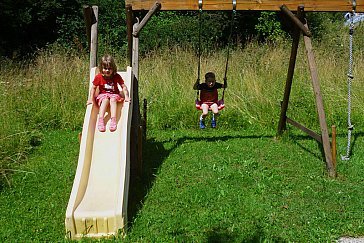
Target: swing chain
(232, 24)
(350, 78)
(199, 45)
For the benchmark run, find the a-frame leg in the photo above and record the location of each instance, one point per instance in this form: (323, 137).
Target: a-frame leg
(301, 26)
(319, 105)
(287, 89)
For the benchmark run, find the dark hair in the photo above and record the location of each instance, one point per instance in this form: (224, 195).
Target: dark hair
(108, 61)
(209, 75)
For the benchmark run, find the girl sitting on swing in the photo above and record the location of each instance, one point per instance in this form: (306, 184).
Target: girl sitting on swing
(209, 98)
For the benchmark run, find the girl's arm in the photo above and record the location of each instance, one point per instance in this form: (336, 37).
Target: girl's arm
(91, 96)
(126, 93)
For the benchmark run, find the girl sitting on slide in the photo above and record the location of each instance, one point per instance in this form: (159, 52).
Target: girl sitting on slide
(109, 94)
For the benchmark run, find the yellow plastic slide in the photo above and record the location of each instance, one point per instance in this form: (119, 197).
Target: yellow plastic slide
(98, 202)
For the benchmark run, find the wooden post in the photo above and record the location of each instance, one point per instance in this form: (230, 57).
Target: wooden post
(79, 137)
(136, 141)
(319, 103)
(129, 30)
(135, 55)
(87, 14)
(296, 20)
(287, 89)
(135, 123)
(94, 43)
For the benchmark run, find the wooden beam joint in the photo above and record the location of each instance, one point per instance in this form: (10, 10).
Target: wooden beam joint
(296, 20)
(157, 6)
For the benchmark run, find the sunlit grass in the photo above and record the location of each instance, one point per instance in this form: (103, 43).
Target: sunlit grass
(216, 185)
(256, 78)
(50, 91)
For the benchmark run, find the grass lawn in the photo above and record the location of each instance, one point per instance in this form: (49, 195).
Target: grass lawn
(202, 186)
(33, 208)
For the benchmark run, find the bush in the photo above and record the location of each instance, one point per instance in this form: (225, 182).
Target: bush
(37, 23)
(269, 27)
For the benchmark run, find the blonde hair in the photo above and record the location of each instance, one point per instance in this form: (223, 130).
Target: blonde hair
(108, 61)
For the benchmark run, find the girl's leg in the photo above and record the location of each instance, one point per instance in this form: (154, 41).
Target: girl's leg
(105, 102)
(113, 106)
(102, 110)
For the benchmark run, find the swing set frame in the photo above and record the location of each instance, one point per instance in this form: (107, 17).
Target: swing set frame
(294, 10)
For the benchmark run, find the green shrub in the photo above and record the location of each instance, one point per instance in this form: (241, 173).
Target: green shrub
(269, 27)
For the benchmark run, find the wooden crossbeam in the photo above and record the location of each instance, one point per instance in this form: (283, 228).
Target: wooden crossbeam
(258, 5)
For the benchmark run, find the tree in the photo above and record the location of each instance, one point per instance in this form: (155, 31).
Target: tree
(30, 24)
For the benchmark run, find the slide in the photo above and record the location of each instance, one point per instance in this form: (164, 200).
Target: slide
(97, 205)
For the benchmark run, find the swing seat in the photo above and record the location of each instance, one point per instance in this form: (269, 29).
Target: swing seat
(220, 105)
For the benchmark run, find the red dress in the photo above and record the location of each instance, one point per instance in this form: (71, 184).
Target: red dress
(108, 87)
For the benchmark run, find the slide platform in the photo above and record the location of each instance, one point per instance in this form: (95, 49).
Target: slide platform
(97, 205)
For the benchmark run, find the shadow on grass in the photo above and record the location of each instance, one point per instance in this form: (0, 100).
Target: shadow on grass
(355, 136)
(220, 235)
(321, 156)
(317, 153)
(154, 154)
(217, 235)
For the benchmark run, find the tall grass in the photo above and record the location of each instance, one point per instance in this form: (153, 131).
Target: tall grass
(256, 80)
(50, 91)
(47, 93)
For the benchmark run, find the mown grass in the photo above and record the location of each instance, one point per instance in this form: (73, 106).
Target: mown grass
(33, 208)
(210, 186)
(236, 186)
